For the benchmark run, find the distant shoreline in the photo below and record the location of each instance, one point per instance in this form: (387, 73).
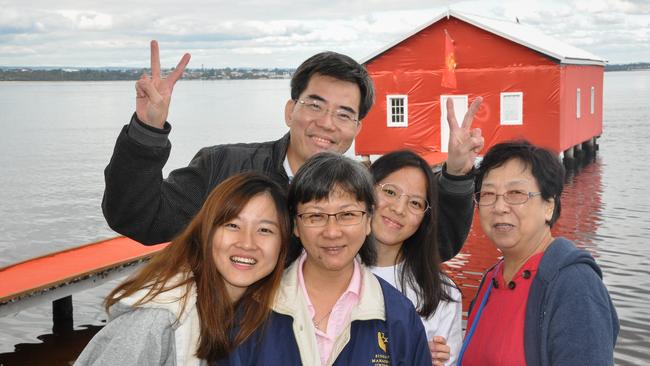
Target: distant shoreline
(117, 74)
(79, 74)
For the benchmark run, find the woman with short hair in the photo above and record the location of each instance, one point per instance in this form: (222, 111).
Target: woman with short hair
(331, 310)
(544, 303)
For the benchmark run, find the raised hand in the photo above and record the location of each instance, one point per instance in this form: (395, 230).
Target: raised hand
(154, 94)
(464, 143)
(440, 351)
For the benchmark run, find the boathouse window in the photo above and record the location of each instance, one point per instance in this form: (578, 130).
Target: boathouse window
(512, 106)
(593, 99)
(578, 103)
(397, 110)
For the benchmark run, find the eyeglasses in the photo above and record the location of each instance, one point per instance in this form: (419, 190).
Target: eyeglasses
(343, 218)
(513, 197)
(392, 193)
(317, 109)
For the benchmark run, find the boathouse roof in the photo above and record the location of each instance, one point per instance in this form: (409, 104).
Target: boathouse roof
(516, 32)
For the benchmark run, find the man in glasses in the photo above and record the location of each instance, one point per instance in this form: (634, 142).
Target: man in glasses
(330, 95)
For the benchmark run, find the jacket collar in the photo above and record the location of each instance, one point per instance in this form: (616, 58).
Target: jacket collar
(290, 300)
(169, 300)
(280, 148)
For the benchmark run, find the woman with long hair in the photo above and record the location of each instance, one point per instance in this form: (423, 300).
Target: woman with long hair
(206, 292)
(404, 225)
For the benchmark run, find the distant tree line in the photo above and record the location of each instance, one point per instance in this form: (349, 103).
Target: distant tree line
(71, 74)
(68, 75)
(628, 67)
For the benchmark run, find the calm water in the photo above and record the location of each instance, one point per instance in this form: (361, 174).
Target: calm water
(57, 137)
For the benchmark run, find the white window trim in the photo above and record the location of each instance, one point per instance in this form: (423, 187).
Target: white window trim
(389, 115)
(593, 100)
(578, 96)
(520, 112)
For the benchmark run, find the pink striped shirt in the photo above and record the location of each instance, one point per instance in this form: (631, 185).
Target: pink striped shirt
(340, 315)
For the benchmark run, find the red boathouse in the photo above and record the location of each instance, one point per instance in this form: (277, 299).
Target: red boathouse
(533, 87)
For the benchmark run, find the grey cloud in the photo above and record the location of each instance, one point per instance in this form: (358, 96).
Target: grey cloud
(274, 32)
(636, 7)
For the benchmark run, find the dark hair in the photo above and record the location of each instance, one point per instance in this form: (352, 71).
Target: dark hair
(317, 178)
(340, 67)
(420, 252)
(544, 165)
(190, 255)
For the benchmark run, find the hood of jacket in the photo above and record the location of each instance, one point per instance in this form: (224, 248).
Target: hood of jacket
(187, 326)
(560, 254)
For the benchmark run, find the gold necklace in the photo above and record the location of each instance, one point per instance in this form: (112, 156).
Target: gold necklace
(317, 323)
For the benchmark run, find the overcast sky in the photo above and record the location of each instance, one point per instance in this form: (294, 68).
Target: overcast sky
(282, 33)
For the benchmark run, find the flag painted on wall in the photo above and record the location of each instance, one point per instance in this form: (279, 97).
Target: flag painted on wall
(449, 73)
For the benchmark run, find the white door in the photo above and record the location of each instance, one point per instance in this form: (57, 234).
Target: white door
(460, 108)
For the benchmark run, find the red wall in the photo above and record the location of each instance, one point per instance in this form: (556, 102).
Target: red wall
(486, 65)
(576, 130)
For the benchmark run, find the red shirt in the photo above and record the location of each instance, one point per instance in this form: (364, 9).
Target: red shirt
(499, 335)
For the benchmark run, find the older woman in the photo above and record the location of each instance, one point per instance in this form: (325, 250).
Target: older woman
(544, 303)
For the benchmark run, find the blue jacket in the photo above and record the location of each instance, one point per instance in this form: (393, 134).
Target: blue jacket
(570, 318)
(394, 337)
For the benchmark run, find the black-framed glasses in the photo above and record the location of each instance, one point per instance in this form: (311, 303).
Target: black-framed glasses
(343, 218)
(512, 197)
(318, 109)
(390, 192)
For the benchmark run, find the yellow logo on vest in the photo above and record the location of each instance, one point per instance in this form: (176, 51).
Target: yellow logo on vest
(382, 359)
(382, 340)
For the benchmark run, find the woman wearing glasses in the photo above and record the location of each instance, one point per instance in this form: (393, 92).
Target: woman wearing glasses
(404, 224)
(545, 299)
(331, 310)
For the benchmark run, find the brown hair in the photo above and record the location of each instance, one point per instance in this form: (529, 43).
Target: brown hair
(224, 325)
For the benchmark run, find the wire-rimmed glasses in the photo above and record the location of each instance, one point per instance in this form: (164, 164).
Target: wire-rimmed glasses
(318, 109)
(390, 192)
(512, 197)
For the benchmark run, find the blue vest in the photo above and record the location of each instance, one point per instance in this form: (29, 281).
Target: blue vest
(400, 340)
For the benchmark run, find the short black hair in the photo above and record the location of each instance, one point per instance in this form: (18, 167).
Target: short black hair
(337, 66)
(317, 178)
(545, 166)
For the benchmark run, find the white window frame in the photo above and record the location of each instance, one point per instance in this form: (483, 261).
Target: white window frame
(593, 100)
(578, 103)
(389, 110)
(519, 109)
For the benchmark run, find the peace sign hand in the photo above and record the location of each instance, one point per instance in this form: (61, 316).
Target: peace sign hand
(464, 143)
(154, 94)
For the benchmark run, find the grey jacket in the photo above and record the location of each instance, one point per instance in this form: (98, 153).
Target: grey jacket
(570, 318)
(154, 333)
